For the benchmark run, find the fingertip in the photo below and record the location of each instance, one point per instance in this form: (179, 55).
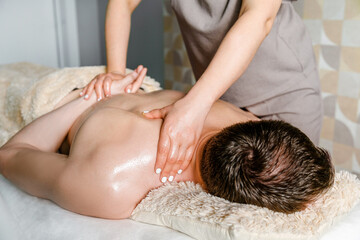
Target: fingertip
(163, 179)
(140, 68)
(146, 114)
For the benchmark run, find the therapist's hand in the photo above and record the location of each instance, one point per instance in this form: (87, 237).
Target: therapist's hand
(131, 81)
(102, 84)
(180, 132)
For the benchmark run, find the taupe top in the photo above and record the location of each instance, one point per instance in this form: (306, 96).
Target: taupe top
(281, 64)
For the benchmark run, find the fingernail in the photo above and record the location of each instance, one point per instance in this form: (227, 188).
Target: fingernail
(171, 178)
(180, 171)
(163, 179)
(107, 95)
(158, 171)
(86, 96)
(146, 111)
(128, 90)
(81, 93)
(99, 99)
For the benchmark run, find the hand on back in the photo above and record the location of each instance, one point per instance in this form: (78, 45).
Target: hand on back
(106, 83)
(180, 132)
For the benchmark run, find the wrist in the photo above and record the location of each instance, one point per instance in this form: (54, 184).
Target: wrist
(199, 98)
(121, 73)
(115, 70)
(196, 104)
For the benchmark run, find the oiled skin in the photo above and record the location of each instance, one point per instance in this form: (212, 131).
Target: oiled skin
(110, 167)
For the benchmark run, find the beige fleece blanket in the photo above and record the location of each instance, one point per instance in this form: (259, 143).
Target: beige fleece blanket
(28, 91)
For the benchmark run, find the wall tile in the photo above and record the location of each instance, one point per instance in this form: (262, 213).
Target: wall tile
(328, 128)
(342, 134)
(352, 10)
(332, 31)
(334, 9)
(349, 84)
(342, 156)
(329, 103)
(351, 33)
(348, 107)
(327, 144)
(329, 81)
(345, 129)
(350, 59)
(313, 9)
(331, 55)
(355, 164)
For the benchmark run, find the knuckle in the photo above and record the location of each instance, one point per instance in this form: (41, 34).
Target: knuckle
(186, 161)
(171, 161)
(162, 150)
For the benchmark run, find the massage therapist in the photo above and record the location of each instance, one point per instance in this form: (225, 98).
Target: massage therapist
(255, 54)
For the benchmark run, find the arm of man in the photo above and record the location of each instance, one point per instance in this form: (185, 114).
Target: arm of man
(183, 120)
(29, 158)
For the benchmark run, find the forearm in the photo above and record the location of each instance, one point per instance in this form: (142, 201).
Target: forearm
(233, 56)
(117, 32)
(48, 131)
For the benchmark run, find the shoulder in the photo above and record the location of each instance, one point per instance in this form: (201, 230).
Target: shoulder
(224, 114)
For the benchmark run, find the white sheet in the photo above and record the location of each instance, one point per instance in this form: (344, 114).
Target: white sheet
(25, 217)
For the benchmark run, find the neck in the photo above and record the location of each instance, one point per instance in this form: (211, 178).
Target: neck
(195, 161)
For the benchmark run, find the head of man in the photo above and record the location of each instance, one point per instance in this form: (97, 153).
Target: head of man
(266, 163)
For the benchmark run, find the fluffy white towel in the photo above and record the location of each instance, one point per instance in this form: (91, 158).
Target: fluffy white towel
(187, 208)
(28, 91)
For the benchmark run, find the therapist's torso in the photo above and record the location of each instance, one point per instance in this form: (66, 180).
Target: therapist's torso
(281, 64)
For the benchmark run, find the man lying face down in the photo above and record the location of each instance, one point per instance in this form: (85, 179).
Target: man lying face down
(109, 168)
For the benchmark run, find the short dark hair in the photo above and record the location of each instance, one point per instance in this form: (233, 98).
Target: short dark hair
(266, 163)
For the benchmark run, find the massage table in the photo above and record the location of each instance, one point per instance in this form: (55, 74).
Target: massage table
(25, 95)
(26, 217)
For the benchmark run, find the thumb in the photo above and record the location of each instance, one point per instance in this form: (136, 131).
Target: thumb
(156, 113)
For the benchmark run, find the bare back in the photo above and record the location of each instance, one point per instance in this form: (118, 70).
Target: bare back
(115, 149)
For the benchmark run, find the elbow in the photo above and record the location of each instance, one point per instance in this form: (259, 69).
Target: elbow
(5, 155)
(132, 4)
(7, 152)
(268, 24)
(2, 162)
